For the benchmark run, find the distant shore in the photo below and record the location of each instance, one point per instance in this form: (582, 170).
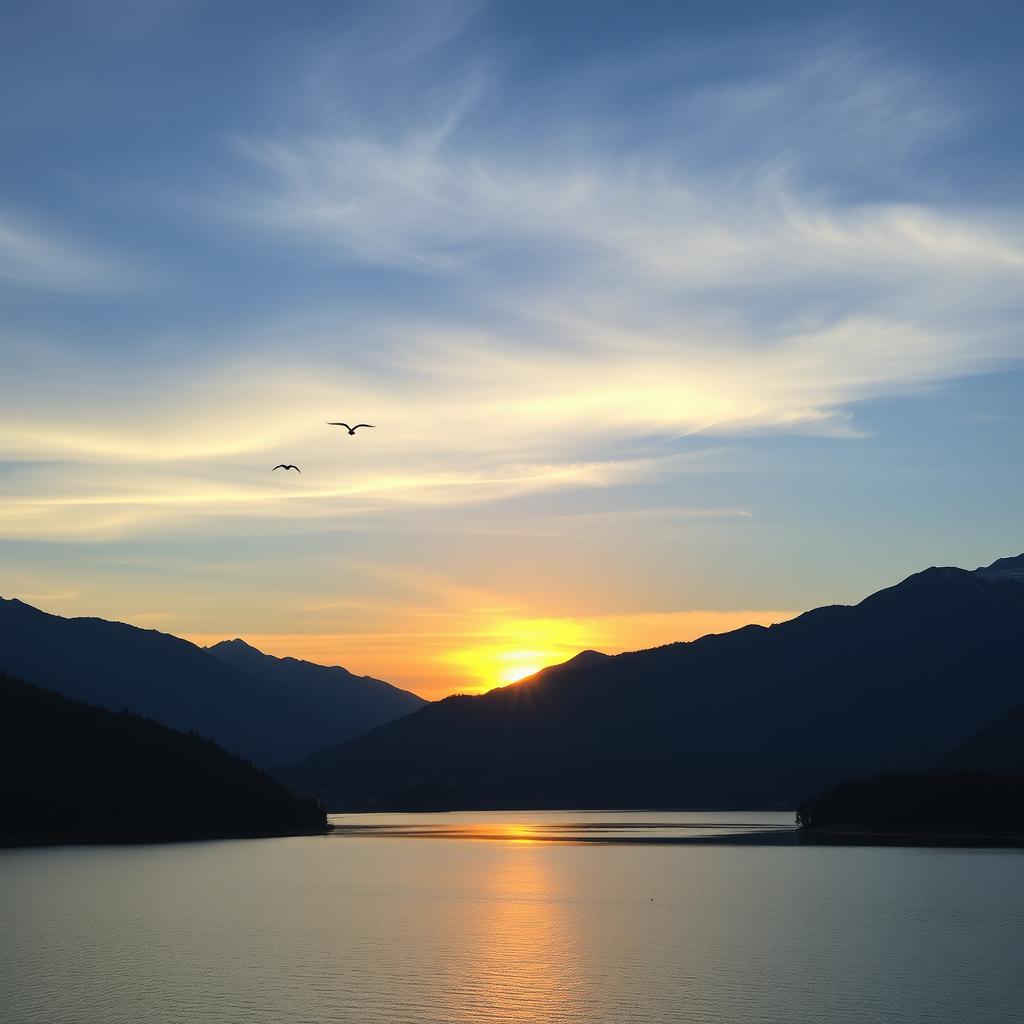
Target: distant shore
(778, 836)
(858, 836)
(784, 837)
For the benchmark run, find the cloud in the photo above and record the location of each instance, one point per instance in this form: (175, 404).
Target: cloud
(701, 265)
(750, 173)
(38, 258)
(96, 501)
(746, 287)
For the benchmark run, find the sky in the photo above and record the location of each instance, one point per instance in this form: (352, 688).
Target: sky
(669, 317)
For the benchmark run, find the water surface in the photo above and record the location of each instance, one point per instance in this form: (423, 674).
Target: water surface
(396, 925)
(574, 826)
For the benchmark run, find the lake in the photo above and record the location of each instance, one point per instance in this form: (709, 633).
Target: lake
(525, 917)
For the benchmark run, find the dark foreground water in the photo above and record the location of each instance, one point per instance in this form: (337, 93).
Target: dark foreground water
(512, 917)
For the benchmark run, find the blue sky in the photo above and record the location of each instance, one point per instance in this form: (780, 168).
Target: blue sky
(669, 317)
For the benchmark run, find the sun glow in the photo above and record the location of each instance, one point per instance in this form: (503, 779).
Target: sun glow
(516, 648)
(510, 649)
(499, 668)
(517, 665)
(461, 650)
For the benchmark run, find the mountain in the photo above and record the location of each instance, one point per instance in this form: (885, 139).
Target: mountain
(581, 660)
(976, 789)
(344, 705)
(997, 749)
(576, 661)
(758, 717)
(185, 687)
(76, 773)
(929, 806)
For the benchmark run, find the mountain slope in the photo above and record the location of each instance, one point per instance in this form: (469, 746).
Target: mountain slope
(117, 666)
(756, 717)
(585, 659)
(926, 806)
(581, 660)
(345, 705)
(975, 789)
(75, 773)
(997, 749)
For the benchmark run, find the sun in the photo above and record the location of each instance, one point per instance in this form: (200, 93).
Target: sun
(516, 665)
(508, 650)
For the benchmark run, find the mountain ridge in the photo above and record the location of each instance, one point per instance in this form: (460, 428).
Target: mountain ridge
(759, 716)
(173, 681)
(238, 644)
(368, 701)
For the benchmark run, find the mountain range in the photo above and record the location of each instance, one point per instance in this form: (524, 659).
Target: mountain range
(758, 717)
(270, 710)
(925, 673)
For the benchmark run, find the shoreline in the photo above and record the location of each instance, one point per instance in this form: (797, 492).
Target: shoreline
(781, 836)
(152, 839)
(852, 836)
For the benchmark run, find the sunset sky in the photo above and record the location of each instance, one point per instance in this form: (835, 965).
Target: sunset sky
(670, 317)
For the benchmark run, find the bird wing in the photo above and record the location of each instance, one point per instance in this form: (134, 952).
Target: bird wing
(358, 425)
(280, 465)
(345, 425)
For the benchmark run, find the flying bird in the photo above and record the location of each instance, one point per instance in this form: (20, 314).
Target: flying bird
(286, 465)
(351, 430)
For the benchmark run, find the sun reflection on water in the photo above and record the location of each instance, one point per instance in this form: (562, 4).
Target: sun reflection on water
(526, 954)
(514, 833)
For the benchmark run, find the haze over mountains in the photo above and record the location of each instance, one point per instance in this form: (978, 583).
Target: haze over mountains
(269, 710)
(758, 717)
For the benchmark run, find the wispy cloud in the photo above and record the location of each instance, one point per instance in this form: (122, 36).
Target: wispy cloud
(662, 289)
(597, 305)
(41, 258)
(95, 501)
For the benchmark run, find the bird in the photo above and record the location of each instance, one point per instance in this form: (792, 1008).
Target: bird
(351, 430)
(286, 465)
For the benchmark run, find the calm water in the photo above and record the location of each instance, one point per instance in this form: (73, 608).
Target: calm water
(416, 918)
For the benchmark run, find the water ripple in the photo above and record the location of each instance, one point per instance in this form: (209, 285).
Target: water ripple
(401, 929)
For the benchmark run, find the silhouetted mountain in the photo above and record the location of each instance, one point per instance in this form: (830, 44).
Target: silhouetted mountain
(976, 788)
(75, 773)
(929, 805)
(252, 713)
(576, 661)
(758, 717)
(344, 704)
(997, 749)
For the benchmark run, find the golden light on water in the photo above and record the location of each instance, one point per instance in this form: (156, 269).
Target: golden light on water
(525, 924)
(518, 833)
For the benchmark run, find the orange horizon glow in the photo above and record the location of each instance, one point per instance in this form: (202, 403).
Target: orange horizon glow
(440, 664)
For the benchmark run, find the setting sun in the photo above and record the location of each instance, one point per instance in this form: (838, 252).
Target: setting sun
(514, 648)
(519, 664)
(490, 667)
